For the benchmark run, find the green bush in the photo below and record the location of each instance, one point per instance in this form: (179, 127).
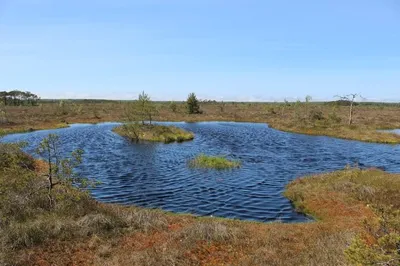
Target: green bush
(192, 103)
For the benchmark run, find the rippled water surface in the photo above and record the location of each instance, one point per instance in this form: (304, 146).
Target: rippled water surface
(156, 174)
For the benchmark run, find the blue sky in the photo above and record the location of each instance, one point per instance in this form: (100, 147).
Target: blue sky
(223, 50)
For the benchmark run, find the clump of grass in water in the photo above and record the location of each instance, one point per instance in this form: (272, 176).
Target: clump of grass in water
(213, 162)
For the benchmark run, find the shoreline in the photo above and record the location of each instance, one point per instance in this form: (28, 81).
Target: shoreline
(387, 137)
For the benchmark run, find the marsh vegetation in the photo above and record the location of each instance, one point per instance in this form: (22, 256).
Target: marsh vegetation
(357, 210)
(375, 200)
(159, 133)
(213, 162)
(48, 217)
(306, 117)
(37, 210)
(139, 115)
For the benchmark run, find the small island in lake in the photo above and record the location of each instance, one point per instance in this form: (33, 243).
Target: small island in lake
(148, 132)
(139, 115)
(213, 162)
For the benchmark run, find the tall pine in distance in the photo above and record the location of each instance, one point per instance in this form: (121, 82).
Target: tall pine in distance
(192, 103)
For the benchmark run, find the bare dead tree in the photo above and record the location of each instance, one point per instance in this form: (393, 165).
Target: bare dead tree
(350, 98)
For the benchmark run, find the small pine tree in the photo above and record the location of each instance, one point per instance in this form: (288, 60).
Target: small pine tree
(60, 170)
(193, 104)
(143, 103)
(143, 109)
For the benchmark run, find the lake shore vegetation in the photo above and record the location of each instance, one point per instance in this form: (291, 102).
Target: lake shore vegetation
(346, 119)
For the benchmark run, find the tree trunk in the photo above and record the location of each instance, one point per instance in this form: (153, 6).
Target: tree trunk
(351, 113)
(50, 182)
(50, 175)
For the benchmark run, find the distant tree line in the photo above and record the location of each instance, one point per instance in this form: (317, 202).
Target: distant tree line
(17, 98)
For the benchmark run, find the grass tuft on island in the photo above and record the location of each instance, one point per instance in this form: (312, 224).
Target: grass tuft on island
(213, 162)
(157, 133)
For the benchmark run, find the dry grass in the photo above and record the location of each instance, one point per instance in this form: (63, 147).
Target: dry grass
(103, 234)
(209, 230)
(361, 133)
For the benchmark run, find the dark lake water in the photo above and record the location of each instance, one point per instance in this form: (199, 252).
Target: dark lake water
(156, 175)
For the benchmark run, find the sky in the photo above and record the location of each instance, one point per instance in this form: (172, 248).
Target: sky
(222, 50)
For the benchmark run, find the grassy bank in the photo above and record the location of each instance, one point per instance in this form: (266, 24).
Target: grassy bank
(12, 129)
(357, 215)
(312, 118)
(369, 198)
(213, 162)
(360, 133)
(158, 133)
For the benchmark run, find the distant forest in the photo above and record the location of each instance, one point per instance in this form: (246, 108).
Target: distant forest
(26, 98)
(17, 98)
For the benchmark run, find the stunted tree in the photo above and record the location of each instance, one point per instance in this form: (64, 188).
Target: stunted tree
(192, 104)
(145, 108)
(350, 98)
(138, 112)
(143, 103)
(60, 170)
(141, 110)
